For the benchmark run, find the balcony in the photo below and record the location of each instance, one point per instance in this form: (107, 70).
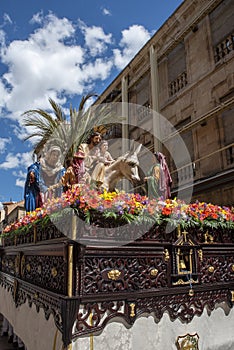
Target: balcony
(178, 84)
(224, 48)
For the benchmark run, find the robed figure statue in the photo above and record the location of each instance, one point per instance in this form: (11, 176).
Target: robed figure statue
(32, 196)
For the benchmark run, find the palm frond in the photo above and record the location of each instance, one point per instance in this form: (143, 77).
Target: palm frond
(84, 99)
(57, 110)
(67, 134)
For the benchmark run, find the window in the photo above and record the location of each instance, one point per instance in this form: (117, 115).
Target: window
(177, 75)
(222, 29)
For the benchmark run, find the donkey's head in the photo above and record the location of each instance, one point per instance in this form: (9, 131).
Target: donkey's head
(129, 165)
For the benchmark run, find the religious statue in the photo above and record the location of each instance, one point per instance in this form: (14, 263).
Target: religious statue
(43, 178)
(103, 160)
(32, 196)
(51, 171)
(159, 179)
(82, 163)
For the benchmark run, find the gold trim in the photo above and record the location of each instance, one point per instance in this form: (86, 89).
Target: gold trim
(180, 282)
(113, 274)
(154, 272)
(166, 255)
(132, 309)
(28, 267)
(208, 238)
(73, 225)
(54, 272)
(178, 231)
(200, 254)
(185, 235)
(180, 257)
(34, 234)
(70, 271)
(187, 342)
(211, 269)
(191, 292)
(91, 340)
(232, 293)
(232, 267)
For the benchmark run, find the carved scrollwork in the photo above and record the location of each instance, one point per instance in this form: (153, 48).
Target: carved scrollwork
(116, 274)
(101, 313)
(45, 271)
(160, 234)
(181, 306)
(178, 306)
(22, 267)
(18, 264)
(9, 263)
(22, 292)
(217, 269)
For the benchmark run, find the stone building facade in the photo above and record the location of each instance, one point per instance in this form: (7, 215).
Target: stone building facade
(186, 73)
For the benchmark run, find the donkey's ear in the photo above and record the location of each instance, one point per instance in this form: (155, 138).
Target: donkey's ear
(137, 150)
(134, 148)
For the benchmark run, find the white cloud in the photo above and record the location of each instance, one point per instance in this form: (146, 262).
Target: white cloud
(11, 162)
(20, 182)
(3, 143)
(95, 38)
(37, 18)
(106, 12)
(7, 18)
(25, 159)
(2, 39)
(41, 66)
(132, 41)
(49, 64)
(14, 161)
(99, 69)
(21, 176)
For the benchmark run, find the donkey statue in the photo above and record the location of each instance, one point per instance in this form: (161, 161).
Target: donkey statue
(124, 167)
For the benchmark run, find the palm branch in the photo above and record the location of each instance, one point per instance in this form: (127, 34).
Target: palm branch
(66, 133)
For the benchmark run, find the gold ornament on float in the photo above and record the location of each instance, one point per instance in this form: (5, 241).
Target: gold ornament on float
(187, 342)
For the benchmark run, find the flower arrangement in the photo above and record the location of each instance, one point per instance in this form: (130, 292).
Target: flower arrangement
(130, 207)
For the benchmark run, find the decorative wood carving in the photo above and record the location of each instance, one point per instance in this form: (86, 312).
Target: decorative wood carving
(135, 274)
(111, 282)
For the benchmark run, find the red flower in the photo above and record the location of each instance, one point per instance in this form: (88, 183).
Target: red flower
(166, 211)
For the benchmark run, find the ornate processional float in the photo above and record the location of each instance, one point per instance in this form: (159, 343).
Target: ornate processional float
(94, 266)
(88, 259)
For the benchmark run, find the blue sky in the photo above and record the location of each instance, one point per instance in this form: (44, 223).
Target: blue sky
(62, 50)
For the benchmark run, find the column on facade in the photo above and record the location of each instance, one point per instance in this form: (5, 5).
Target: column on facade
(125, 125)
(155, 97)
